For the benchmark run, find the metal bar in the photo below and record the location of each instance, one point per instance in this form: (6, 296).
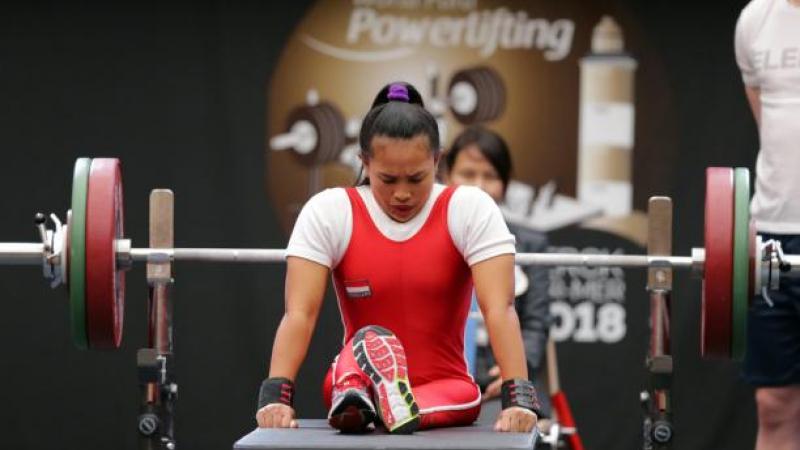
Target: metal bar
(21, 254)
(271, 255)
(30, 254)
(234, 255)
(573, 259)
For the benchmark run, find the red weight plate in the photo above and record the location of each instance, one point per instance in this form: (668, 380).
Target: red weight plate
(105, 283)
(718, 270)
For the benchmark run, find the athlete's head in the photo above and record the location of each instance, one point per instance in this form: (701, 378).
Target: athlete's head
(479, 157)
(400, 149)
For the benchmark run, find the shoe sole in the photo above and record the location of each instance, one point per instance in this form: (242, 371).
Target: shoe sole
(352, 415)
(382, 358)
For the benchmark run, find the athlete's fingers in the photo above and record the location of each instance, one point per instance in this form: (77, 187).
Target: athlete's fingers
(261, 418)
(272, 415)
(286, 420)
(266, 419)
(502, 422)
(515, 419)
(525, 420)
(527, 423)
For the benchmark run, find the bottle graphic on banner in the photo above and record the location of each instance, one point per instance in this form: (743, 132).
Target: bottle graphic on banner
(606, 123)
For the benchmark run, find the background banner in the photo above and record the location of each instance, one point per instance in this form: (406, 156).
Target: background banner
(192, 96)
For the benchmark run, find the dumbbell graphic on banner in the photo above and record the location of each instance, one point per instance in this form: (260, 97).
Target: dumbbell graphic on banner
(317, 134)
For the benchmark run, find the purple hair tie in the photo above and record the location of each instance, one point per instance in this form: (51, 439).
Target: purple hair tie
(398, 92)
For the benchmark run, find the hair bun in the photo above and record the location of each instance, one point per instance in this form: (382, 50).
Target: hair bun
(398, 91)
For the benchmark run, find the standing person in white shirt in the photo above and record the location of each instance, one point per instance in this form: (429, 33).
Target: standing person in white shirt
(767, 44)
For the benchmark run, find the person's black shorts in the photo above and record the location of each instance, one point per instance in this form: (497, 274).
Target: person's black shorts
(773, 332)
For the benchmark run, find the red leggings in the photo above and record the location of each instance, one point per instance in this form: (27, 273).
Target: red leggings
(444, 402)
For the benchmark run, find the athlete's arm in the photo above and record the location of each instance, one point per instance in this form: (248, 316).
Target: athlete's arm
(304, 291)
(494, 287)
(305, 288)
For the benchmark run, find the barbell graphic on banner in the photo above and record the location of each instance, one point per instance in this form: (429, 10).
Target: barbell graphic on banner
(90, 254)
(317, 132)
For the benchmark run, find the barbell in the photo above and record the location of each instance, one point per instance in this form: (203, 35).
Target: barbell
(90, 255)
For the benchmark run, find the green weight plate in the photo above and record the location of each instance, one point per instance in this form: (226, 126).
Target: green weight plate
(77, 252)
(741, 262)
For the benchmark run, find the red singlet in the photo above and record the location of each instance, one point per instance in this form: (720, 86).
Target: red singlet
(420, 289)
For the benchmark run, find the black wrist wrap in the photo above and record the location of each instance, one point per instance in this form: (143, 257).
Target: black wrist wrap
(519, 392)
(276, 390)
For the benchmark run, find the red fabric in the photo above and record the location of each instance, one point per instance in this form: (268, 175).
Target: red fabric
(444, 402)
(436, 397)
(420, 289)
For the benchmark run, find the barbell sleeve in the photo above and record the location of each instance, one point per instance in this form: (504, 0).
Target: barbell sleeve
(21, 254)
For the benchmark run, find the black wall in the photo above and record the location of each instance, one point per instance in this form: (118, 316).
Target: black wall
(176, 90)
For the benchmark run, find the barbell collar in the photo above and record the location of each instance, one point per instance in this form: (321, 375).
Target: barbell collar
(698, 261)
(123, 249)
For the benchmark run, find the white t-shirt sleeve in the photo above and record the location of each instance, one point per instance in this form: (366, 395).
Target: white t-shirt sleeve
(323, 228)
(477, 226)
(741, 48)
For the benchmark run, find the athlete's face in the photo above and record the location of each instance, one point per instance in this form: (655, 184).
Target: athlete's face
(401, 174)
(473, 169)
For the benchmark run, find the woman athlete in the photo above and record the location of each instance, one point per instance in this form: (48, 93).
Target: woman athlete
(405, 254)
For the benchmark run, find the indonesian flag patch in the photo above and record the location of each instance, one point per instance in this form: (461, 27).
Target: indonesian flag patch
(357, 289)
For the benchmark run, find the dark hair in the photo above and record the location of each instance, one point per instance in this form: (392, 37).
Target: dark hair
(398, 112)
(490, 144)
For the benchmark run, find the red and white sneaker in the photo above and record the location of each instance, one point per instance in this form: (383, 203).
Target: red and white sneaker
(352, 410)
(380, 355)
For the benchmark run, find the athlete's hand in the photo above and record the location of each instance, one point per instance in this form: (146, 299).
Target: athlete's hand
(276, 415)
(516, 419)
(493, 389)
